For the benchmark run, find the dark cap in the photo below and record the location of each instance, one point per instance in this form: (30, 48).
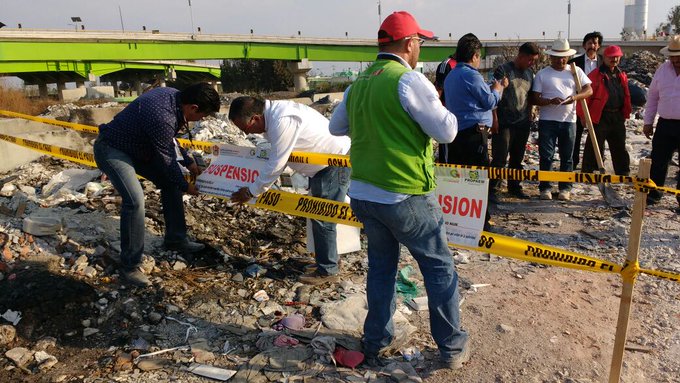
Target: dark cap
(399, 25)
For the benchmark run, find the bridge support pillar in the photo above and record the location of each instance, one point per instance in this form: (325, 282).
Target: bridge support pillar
(299, 70)
(42, 90)
(116, 90)
(137, 86)
(61, 86)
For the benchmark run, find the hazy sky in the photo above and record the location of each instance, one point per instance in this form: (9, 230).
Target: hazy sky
(513, 19)
(526, 19)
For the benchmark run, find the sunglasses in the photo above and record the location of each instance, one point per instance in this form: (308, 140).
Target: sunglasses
(420, 41)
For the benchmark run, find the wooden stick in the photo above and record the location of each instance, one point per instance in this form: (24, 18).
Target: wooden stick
(629, 282)
(588, 121)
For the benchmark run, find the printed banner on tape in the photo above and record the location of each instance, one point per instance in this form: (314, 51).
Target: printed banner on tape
(231, 168)
(462, 196)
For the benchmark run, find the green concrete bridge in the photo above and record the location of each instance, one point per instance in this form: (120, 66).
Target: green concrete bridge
(87, 53)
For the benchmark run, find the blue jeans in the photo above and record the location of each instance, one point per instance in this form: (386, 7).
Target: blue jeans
(417, 223)
(329, 183)
(550, 135)
(122, 170)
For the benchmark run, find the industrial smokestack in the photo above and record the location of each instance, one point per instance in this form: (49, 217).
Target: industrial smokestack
(635, 18)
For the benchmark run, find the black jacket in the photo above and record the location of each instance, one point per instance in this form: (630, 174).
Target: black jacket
(580, 61)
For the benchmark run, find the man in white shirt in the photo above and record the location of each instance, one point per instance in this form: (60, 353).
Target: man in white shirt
(663, 100)
(588, 62)
(289, 127)
(554, 91)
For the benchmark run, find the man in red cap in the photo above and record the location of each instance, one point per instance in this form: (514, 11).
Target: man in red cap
(392, 113)
(609, 108)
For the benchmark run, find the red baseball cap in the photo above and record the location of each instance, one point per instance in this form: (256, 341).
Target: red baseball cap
(613, 51)
(399, 25)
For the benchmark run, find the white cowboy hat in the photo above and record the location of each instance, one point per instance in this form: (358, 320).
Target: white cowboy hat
(560, 48)
(673, 48)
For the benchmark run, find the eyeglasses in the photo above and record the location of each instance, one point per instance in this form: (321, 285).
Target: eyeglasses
(420, 41)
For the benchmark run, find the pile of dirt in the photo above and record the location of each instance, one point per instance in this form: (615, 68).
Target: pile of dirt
(641, 66)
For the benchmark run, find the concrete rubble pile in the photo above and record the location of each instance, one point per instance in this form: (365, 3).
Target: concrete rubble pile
(236, 310)
(218, 129)
(207, 304)
(641, 66)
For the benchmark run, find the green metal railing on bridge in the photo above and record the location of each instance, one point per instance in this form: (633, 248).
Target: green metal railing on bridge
(114, 46)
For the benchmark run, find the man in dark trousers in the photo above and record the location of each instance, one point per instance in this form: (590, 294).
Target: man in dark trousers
(514, 115)
(588, 62)
(471, 100)
(140, 140)
(609, 107)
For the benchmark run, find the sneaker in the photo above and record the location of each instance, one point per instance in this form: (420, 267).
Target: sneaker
(136, 277)
(564, 195)
(185, 246)
(518, 193)
(546, 194)
(317, 278)
(458, 360)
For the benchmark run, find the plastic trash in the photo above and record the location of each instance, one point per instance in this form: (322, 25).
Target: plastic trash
(261, 296)
(348, 358)
(255, 270)
(411, 353)
(12, 316)
(292, 322)
(406, 287)
(285, 341)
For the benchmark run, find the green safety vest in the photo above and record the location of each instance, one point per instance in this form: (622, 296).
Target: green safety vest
(389, 149)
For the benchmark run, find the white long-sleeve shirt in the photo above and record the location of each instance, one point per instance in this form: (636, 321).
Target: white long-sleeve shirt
(289, 127)
(420, 100)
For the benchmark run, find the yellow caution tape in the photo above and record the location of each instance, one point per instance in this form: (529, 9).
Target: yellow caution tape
(63, 124)
(338, 160)
(305, 206)
(340, 212)
(533, 252)
(630, 271)
(76, 156)
(662, 274)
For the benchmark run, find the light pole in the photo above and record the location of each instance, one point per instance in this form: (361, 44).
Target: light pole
(379, 15)
(191, 12)
(569, 20)
(120, 13)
